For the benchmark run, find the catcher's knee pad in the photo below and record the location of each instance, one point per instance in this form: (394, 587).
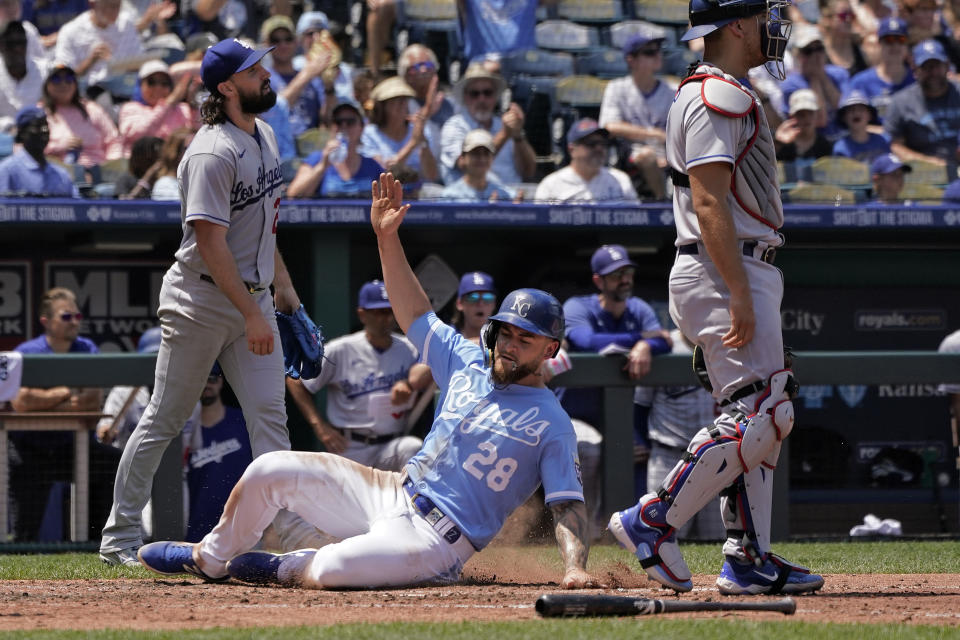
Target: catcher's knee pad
(771, 422)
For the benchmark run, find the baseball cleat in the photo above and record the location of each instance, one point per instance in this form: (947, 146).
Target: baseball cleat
(121, 558)
(263, 567)
(777, 575)
(172, 558)
(643, 531)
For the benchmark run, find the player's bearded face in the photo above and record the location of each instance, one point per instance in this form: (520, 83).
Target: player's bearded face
(259, 101)
(516, 356)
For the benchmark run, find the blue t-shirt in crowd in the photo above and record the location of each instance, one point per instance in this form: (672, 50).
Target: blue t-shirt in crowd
(213, 470)
(460, 191)
(591, 329)
(21, 174)
(877, 90)
(838, 75)
(333, 186)
(489, 448)
(375, 143)
(498, 26)
(876, 145)
(926, 125)
(305, 112)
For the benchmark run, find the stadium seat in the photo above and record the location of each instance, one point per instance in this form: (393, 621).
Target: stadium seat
(566, 36)
(608, 63)
(922, 193)
(623, 31)
(923, 172)
(603, 11)
(580, 91)
(676, 61)
(533, 63)
(311, 140)
(428, 10)
(821, 193)
(112, 170)
(662, 11)
(840, 170)
(121, 86)
(6, 144)
(417, 19)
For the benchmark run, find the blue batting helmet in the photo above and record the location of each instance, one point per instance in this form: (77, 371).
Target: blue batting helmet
(532, 310)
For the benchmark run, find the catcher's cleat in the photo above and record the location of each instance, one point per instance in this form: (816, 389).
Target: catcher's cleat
(642, 530)
(172, 558)
(776, 575)
(121, 558)
(262, 567)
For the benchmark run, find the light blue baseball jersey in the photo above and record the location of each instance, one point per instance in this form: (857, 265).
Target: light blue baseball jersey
(489, 449)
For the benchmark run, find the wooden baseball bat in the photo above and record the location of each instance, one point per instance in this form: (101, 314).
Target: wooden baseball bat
(575, 605)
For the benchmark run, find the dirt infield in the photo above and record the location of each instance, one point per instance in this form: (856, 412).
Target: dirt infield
(498, 587)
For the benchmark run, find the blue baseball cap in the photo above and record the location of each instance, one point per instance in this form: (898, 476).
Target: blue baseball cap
(609, 258)
(853, 97)
(638, 40)
(226, 58)
(373, 295)
(888, 163)
(892, 27)
(583, 128)
(27, 115)
(312, 20)
(929, 50)
(149, 341)
(475, 281)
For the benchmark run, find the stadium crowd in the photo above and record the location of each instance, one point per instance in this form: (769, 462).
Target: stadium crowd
(100, 97)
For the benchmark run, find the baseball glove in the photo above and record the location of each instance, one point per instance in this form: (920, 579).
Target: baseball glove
(302, 343)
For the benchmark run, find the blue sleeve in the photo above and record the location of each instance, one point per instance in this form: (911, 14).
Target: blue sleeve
(840, 76)
(314, 158)
(441, 348)
(560, 466)
(840, 148)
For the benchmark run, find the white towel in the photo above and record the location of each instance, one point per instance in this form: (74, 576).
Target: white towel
(11, 372)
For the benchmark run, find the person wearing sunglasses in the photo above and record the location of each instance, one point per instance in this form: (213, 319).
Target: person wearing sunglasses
(476, 184)
(27, 172)
(164, 105)
(634, 110)
(587, 178)
(40, 459)
(476, 299)
(323, 174)
(394, 136)
(77, 126)
(812, 70)
(892, 72)
(418, 65)
(839, 40)
(479, 92)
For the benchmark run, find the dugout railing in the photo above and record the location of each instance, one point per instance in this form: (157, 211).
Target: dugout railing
(589, 370)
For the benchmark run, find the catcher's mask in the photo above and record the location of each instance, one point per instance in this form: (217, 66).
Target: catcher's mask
(706, 16)
(532, 310)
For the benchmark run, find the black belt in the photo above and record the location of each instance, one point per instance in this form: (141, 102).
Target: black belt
(679, 179)
(356, 437)
(428, 509)
(252, 288)
(748, 249)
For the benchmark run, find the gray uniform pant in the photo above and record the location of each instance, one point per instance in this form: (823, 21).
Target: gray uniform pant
(200, 326)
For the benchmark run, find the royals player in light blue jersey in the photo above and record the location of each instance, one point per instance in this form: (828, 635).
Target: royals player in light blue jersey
(498, 435)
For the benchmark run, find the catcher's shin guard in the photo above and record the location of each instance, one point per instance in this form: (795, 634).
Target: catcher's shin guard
(747, 507)
(719, 454)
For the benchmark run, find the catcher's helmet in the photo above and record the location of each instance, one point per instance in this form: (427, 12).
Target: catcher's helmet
(532, 310)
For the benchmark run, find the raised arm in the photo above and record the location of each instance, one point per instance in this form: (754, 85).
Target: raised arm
(407, 297)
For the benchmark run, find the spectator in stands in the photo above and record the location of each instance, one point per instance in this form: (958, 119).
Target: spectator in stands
(27, 171)
(226, 18)
(143, 166)
(476, 300)
(586, 178)
(99, 40)
(363, 84)
(164, 104)
(381, 14)
(887, 173)
(923, 120)
(40, 459)
(836, 25)
(21, 77)
(797, 137)
(303, 91)
(634, 111)
(166, 186)
(892, 71)
(478, 93)
(393, 136)
(323, 175)
(869, 14)
(476, 184)
(310, 33)
(492, 27)
(125, 404)
(81, 132)
(812, 72)
(923, 24)
(12, 11)
(50, 15)
(418, 65)
(409, 178)
(855, 115)
(217, 453)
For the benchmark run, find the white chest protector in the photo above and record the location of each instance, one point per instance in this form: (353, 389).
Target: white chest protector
(754, 183)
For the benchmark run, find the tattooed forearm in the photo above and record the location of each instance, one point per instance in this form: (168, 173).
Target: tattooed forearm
(571, 530)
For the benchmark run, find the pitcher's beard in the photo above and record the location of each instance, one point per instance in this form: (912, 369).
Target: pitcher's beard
(506, 372)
